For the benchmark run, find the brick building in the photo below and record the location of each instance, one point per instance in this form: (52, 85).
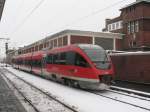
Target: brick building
(134, 23)
(67, 37)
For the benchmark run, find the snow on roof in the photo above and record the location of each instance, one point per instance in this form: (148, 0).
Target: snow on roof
(134, 3)
(86, 33)
(130, 53)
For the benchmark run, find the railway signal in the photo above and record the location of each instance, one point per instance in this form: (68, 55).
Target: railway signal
(6, 44)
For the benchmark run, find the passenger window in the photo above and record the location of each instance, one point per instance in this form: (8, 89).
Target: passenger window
(62, 60)
(56, 59)
(70, 57)
(49, 59)
(39, 63)
(80, 61)
(33, 64)
(36, 63)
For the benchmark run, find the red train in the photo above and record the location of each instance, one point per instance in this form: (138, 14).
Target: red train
(82, 65)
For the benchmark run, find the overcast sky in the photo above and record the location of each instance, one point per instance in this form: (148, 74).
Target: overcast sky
(53, 16)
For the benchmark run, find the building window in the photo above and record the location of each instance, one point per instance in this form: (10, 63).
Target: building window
(132, 9)
(117, 25)
(136, 26)
(113, 26)
(132, 27)
(129, 28)
(120, 24)
(109, 27)
(134, 43)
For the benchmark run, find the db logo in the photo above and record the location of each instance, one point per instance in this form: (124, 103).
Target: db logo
(105, 72)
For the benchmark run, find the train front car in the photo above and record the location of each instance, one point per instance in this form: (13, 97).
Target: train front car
(83, 65)
(100, 66)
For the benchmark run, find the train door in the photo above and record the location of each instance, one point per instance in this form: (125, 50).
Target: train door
(78, 66)
(43, 66)
(82, 67)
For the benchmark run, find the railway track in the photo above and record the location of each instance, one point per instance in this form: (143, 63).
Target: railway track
(130, 94)
(136, 101)
(130, 91)
(116, 95)
(25, 98)
(70, 108)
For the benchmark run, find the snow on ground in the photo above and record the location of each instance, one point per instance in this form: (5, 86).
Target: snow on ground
(25, 104)
(84, 101)
(128, 99)
(41, 101)
(2, 64)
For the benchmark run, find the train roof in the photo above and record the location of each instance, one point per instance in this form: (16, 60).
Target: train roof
(40, 54)
(74, 47)
(89, 46)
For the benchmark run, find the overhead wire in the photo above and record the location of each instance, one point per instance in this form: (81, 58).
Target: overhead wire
(91, 14)
(77, 20)
(27, 17)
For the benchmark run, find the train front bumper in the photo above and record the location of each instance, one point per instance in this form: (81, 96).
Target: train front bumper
(93, 86)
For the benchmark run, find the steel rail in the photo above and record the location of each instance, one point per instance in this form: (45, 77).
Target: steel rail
(26, 99)
(45, 93)
(130, 91)
(128, 94)
(97, 93)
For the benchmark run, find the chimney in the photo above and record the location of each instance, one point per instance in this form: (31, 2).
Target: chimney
(106, 22)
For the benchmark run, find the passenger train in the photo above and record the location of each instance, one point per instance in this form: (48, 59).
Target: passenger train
(81, 65)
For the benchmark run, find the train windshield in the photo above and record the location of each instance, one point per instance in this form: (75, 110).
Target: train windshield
(98, 56)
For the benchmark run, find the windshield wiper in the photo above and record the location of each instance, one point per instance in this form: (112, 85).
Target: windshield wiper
(101, 61)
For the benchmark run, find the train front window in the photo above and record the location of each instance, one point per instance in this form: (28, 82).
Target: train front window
(80, 61)
(98, 57)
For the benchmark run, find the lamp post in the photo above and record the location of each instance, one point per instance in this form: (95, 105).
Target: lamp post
(6, 46)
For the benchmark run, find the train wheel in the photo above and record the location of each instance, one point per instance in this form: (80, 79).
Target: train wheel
(77, 84)
(65, 81)
(71, 83)
(54, 78)
(68, 82)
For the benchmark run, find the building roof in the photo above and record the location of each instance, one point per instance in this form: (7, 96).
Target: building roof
(80, 33)
(2, 2)
(86, 33)
(134, 3)
(116, 19)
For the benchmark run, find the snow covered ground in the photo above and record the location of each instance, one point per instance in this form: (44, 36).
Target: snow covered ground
(38, 99)
(128, 99)
(82, 100)
(2, 64)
